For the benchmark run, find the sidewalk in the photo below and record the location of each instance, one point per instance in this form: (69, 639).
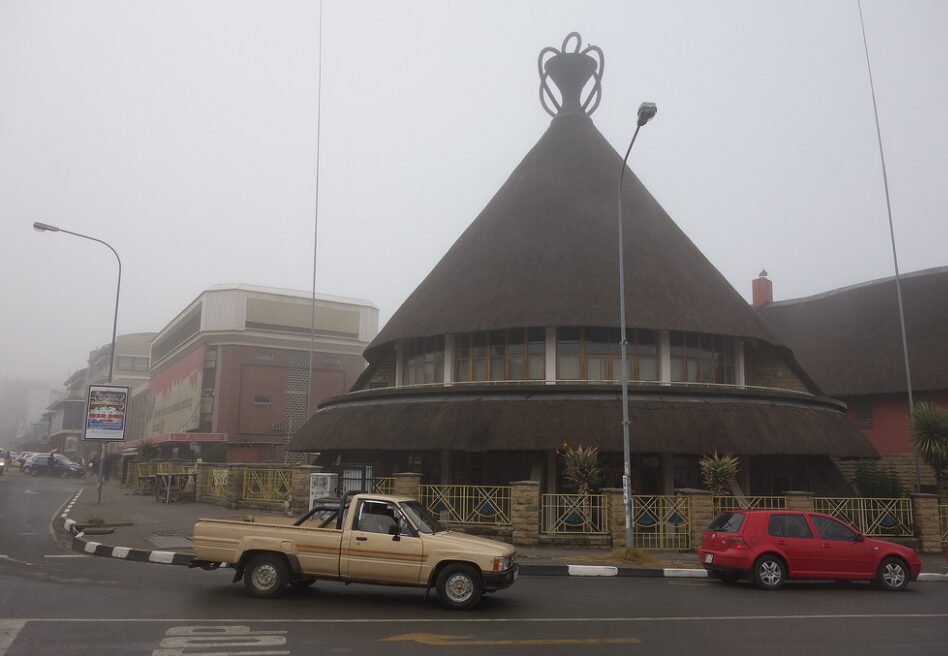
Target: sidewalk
(168, 528)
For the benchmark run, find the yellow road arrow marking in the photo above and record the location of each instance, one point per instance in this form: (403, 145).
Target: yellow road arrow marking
(449, 640)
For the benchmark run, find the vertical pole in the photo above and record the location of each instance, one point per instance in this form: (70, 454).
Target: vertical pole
(312, 324)
(118, 288)
(895, 257)
(626, 446)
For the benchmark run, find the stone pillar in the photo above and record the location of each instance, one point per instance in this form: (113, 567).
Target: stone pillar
(406, 484)
(299, 488)
(615, 508)
(927, 526)
(235, 485)
(702, 512)
(200, 480)
(799, 500)
(525, 512)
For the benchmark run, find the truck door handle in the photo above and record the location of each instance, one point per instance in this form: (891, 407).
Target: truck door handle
(362, 538)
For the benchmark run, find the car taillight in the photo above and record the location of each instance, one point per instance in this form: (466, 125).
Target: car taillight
(737, 543)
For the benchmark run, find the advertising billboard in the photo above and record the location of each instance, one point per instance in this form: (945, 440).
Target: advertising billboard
(106, 406)
(176, 391)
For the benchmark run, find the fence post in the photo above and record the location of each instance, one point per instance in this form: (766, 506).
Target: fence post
(525, 512)
(927, 526)
(406, 484)
(615, 509)
(797, 500)
(702, 512)
(235, 485)
(299, 487)
(200, 480)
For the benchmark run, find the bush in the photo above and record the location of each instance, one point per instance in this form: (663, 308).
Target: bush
(872, 479)
(214, 453)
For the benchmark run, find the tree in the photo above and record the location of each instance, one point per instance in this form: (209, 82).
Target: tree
(147, 450)
(581, 467)
(717, 472)
(929, 426)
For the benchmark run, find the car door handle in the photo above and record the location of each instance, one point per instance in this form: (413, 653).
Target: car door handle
(362, 538)
(826, 545)
(781, 542)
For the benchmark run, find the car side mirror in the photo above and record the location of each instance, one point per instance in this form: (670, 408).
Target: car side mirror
(859, 538)
(393, 531)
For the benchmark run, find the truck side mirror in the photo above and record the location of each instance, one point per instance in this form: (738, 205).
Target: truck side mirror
(394, 532)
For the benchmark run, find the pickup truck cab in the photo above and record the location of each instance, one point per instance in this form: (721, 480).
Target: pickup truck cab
(361, 538)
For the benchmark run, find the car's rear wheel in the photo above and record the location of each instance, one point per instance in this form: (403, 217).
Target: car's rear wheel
(64, 474)
(769, 572)
(266, 575)
(893, 574)
(30, 471)
(459, 587)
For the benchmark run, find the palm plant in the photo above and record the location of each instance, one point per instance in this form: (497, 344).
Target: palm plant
(147, 450)
(929, 427)
(581, 467)
(717, 472)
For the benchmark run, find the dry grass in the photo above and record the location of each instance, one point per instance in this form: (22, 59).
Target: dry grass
(635, 556)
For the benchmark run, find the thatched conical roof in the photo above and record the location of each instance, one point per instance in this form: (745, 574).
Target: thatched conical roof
(544, 253)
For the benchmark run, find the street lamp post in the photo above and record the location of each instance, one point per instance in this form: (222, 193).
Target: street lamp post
(44, 227)
(646, 113)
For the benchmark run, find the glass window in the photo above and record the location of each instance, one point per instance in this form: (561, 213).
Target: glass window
(263, 355)
(259, 399)
(830, 529)
(727, 522)
(376, 517)
(595, 354)
(515, 354)
(424, 361)
(789, 526)
(697, 358)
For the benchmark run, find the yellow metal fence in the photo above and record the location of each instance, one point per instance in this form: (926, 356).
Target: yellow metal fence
(723, 503)
(383, 485)
(872, 516)
(574, 513)
(467, 504)
(943, 521)
(267, 484)
(662, 522)
(217, 478)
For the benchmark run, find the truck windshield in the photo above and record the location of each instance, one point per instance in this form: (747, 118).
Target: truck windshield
(423, 519)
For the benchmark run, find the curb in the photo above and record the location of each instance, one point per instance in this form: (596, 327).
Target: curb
(82, 545)
(610, 571)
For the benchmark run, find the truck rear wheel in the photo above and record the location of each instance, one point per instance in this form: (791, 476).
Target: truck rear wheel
(459, 587)
(266, 576)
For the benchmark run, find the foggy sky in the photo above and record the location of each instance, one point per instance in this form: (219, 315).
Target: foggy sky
(184, 133)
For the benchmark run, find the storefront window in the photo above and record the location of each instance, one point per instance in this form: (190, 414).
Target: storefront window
(516, 354)
(595, 354)
(697, 358)
(424, 361)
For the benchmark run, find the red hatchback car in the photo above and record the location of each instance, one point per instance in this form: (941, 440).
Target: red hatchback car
(771, 546)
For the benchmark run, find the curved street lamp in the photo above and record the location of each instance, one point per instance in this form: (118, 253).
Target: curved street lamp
(646, 112)
(45, 227)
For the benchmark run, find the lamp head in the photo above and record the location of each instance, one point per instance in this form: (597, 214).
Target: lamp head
(647, 111)
(44, 227)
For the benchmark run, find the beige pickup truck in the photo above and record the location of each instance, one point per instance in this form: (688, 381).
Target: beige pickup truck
(363, 538)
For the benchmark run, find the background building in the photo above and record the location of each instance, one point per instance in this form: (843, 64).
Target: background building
(850, 341)
(233, 367)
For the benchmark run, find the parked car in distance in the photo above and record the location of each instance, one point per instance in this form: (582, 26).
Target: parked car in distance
(22, 457)
(4, 457)
(62, 466)
(770, 546)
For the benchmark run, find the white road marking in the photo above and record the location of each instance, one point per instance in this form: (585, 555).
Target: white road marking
(9, 629)
(179, 638)
(940, 578)
(90, 547)
(166, 557)
(676, 573)
(120, 552)
(14, 560)
(505, 620)
(65, 556)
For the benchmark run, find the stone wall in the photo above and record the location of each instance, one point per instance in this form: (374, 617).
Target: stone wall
(902, 463)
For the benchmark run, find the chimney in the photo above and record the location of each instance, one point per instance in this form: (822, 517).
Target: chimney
(763, 290)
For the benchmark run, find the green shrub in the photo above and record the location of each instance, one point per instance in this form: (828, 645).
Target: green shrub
(873, 479)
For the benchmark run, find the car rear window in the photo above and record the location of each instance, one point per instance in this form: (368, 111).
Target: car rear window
(727, 522)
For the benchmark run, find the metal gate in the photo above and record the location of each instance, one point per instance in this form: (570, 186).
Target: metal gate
(356, 478)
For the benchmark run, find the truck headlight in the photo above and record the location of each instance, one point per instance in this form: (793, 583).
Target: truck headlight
(504, 563)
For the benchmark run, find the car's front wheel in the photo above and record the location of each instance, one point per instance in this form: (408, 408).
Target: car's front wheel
(893, 574)
(266, 575)
(769, 572)
(459, 587)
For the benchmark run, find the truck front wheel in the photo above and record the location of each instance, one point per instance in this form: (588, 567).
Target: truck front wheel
(459, 587)
(266, 576)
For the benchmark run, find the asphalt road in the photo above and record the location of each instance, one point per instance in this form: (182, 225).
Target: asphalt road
(55, 602)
